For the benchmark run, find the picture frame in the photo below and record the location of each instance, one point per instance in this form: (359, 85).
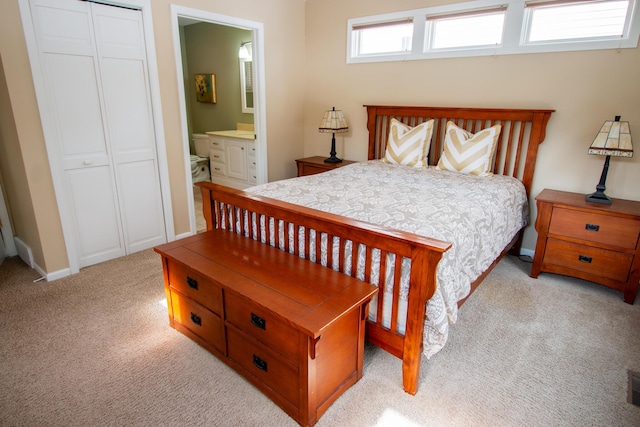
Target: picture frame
(206, 88)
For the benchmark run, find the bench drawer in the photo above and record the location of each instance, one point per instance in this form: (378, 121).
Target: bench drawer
(202, 322)
(594, 227)
(195, 286)
(262, 325)
(276, 372)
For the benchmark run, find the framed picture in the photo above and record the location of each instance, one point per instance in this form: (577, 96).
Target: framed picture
(206, 88)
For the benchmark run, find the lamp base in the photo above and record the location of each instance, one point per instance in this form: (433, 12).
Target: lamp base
(333, 159)
(598, 197)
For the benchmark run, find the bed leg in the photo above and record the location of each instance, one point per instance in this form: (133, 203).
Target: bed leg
(411, 374)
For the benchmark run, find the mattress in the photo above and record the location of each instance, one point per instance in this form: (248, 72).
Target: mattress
(479, 215)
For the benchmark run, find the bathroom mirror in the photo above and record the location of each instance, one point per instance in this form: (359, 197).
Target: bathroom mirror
(246, 84)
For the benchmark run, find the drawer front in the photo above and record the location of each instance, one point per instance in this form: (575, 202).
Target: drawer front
(273, 370)
(202, 322)
(608, 230)
(599, 262)
(312, 170)
(217, 168)
(216, 156)
(195, 286)
(216, 144)
(262, 325)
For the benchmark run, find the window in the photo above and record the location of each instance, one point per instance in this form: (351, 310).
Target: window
(482, 28)
(494, 27)
(383, 37)
(575, 20)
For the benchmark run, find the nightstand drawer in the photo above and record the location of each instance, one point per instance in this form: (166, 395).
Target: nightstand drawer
(593, 227)
(600, 262)
(262, 325)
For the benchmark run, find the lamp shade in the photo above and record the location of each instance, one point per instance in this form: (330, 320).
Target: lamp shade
(333, 122)
(613, 139)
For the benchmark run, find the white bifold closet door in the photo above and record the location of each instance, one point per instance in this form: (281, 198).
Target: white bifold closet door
(98, 98)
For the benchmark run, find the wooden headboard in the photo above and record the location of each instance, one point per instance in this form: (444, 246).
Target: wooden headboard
(522, 132)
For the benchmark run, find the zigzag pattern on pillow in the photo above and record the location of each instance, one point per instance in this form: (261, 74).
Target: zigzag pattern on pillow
(408, 146)
(469, 153)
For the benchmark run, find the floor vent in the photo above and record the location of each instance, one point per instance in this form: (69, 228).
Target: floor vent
(634, 388)
(24, 252)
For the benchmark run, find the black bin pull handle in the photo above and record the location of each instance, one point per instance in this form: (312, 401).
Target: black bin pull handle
(196, 319)
(585, 259)
(592, 227)
(260, 364)
(258, 321)
(193, 283)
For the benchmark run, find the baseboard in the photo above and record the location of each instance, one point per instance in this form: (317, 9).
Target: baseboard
(24, 252)
(527, 252)
(57, 274)
(183, 235)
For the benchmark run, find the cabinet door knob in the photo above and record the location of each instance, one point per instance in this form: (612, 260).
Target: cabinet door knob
(592, 227)
(86, 162)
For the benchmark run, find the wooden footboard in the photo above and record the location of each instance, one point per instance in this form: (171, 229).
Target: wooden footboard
(308, 233)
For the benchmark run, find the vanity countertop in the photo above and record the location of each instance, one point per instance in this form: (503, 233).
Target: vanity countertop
(242, 134)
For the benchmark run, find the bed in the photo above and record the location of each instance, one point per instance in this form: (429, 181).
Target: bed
(411, 257)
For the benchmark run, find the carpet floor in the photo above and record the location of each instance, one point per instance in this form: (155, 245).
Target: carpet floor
(96, 349)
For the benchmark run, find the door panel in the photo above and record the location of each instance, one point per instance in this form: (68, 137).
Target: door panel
(92, 197)
(72, 82)
(141, 195)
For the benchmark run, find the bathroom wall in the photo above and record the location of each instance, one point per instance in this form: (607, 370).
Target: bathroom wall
(213, 49)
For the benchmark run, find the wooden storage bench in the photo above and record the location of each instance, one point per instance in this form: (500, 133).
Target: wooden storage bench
(291, 327)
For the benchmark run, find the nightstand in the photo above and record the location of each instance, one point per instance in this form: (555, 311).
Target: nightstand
(316, 164)
(590, 241)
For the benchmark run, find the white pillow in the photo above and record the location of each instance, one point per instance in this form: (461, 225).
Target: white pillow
(469, 153)
(408, 146)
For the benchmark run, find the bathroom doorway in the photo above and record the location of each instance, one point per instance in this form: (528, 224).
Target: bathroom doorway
(223, 36)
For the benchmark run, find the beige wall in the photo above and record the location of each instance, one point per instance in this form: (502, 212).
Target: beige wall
(306, 72)
(24, 164)
(213, 49)
(585, 89)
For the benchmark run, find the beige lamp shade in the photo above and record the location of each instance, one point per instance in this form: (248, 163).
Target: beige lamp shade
(613, 139)
(333, 122)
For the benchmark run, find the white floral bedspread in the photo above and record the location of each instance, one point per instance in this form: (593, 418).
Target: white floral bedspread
(479, 215)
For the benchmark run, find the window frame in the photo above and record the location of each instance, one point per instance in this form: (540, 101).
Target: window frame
(515, 31)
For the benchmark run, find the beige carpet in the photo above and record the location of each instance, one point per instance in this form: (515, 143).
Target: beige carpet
(95, 349)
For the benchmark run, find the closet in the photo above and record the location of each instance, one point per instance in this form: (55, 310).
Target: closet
(97, 117)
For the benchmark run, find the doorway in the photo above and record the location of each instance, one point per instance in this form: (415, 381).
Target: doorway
(182, 16)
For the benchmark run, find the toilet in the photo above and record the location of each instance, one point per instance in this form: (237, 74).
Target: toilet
(200, 160)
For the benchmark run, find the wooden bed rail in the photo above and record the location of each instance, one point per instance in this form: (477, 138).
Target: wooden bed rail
(344, 241)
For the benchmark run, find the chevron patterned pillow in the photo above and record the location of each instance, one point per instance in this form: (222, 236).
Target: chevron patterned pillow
(469, 153)
(408, 146)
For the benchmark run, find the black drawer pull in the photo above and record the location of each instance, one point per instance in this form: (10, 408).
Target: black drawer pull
(196, 319)
(258, 321)
(592, 227)
(584, 258)
(260, 364)
(193, 283)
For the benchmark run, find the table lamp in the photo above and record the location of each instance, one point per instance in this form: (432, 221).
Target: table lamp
(613, 139)
(333, 122)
